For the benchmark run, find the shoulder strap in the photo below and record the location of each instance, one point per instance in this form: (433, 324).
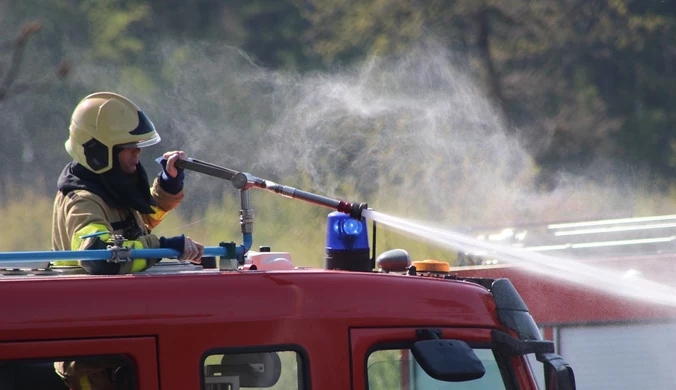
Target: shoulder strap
(129, 226)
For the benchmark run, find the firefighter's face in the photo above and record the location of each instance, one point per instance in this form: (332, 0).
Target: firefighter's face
(128, 159)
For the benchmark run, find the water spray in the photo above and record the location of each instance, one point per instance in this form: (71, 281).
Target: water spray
(555, 267)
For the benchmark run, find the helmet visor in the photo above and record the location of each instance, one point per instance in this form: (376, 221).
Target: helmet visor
(145, 128)
(141, 144)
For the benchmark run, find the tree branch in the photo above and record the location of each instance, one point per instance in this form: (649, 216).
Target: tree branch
(483, 45)
(7, 85)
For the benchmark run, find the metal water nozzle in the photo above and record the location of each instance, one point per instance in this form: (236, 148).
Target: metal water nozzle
(244, 181)
(246, 213)
(353, 209)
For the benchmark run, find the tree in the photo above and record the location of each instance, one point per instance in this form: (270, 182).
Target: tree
(346, 30)
(579, 79)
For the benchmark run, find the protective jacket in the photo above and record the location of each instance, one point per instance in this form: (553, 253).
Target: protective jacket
(83, 207)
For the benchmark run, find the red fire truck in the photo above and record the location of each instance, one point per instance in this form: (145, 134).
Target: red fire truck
(614, 340)
(254, 319)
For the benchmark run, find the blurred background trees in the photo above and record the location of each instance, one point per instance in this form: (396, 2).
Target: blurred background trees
(303, 90)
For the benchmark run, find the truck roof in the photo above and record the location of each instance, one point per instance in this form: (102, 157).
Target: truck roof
(90, 306)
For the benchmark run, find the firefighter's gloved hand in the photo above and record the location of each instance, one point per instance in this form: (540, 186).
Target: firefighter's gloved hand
(171, 158)
(190, 250)
(171, 178)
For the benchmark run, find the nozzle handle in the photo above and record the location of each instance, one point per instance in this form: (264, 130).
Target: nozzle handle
(206, 168)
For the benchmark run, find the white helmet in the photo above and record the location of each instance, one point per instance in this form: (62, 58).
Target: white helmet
(103, 120)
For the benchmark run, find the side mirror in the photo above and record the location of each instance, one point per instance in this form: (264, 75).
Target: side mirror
(260, 369)
(558, 374)
(448, 360)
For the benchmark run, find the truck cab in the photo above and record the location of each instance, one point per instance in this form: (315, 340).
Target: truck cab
(185, 327)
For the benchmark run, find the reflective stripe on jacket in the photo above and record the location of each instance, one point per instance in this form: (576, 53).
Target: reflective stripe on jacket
(82, 212)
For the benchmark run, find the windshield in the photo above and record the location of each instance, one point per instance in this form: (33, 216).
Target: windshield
(397, 369)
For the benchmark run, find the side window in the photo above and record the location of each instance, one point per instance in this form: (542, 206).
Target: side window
(391, 369)
(230, 369)
(92, 372)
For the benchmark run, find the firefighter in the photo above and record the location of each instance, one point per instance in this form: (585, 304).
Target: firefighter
(105, 193)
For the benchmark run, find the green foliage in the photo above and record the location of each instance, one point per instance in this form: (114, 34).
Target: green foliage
(384, 369)
(346, 30)
(108, 28)
(137, 78)
(575, 70)
(110, 22)
(580, 80)
(271, 30)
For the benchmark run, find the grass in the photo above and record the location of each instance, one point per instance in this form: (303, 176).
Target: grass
(283, 224)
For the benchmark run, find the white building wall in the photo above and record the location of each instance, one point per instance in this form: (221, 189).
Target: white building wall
(629, 356)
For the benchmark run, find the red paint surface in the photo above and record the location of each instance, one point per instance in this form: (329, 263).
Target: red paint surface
(167, 323)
